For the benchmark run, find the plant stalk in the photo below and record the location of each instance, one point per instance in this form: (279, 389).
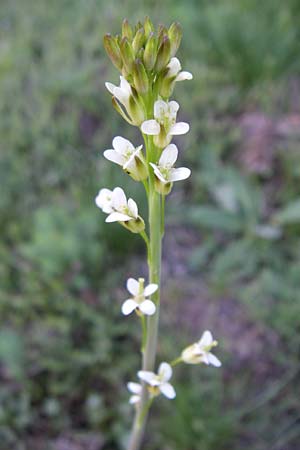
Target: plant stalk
(154, 263)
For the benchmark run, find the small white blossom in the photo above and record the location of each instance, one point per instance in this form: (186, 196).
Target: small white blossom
(130, 158)
(165, 172)
(136, 390)
(134, 111)
(164, 125)
(122, 92)
(200, 351)
(116, 205)
(159, 382)
(139, 300)
(174, 70)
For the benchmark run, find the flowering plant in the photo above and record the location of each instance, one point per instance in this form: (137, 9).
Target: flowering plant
(149, 71)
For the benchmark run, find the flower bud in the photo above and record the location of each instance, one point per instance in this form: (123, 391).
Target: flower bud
(150, 52)
(113, 50)
(136, 110)
(175, 35)
(140, 77)
(148, 26)
(119, 109)
(162, 188)
(127, 30)
(138, 40)
(163, 54)
(127, 56)
(135, 226)
(166, 85)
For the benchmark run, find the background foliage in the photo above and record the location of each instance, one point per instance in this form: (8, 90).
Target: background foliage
(65, 352)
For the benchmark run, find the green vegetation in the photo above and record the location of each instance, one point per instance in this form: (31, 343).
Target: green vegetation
(64, 349)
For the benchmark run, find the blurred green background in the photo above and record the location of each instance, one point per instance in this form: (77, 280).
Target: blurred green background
(231, 252)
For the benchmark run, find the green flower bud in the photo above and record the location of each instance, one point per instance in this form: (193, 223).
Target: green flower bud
(135, 226)
(138, 40)
(127, 55)
(166, 85)
(136, 110)
(127, 30)
(148, 26)
(175, 35)
(163, 54)
(162, 188)
(150, 52)
(140, 77)
(112, 49)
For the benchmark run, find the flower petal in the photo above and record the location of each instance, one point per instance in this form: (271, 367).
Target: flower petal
(165, 371)
(129, 306)
(124, 85)
(182, 173)
(104, 200)
(160, 109)
(115, 157)
(179, 128)
(150, 127)
(169, 156)
(150, 289)
(147, 376)
(133, 286)
(122, 96)
(117, 217)
(184, 76)
(110, 87)
(213, 360)
(134, 399)
(133, 209)
(173, 107)
(206, 339)
(122, 145)
(147, 307)
(168, 390)
(174, 67)
(158, 173)
(135, 388)
(119, 198)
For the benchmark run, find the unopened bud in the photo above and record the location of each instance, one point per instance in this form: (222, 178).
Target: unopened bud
(163, 54)
(127, 30)
(138, 40)
(175, 35)
(127, 55)
(150, 52)
(148, 26)
(140, 77)
(113, 50)
(136, 110)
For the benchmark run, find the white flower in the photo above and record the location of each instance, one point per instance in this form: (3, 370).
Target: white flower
(130, 158)
(164, 125)
(122, 92)
(200, 351)
(159, 382)
(134, 108)
(116, 205)
(165, 173)
(136, 390)
(139, 300)
(174, 70)
(119, 209)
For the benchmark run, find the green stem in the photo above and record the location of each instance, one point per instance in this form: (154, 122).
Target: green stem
(154, 263)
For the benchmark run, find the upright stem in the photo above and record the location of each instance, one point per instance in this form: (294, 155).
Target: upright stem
(154, 263)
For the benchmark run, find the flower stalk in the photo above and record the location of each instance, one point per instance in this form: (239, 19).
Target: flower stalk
(149, 71)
